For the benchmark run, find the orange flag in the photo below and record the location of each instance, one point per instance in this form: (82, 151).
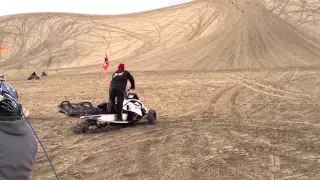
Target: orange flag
(2, 48)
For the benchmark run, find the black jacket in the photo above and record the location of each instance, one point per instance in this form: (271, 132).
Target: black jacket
(120, 78)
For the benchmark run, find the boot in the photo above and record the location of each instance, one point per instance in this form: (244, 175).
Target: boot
(109, 107)
(119, 117)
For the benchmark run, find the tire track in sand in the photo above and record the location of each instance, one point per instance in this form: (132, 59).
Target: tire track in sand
(223, 102)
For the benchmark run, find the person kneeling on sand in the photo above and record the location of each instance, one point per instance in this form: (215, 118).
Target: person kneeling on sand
(18, 145)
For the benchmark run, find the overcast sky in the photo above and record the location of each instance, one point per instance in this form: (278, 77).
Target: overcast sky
(83, 6)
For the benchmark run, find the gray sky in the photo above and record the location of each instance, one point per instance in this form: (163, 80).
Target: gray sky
(83, 6)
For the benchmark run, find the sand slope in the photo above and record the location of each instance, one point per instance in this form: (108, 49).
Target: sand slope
(202, 35)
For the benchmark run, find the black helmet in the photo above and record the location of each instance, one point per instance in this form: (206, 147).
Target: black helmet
(2, 78)
(9, 104)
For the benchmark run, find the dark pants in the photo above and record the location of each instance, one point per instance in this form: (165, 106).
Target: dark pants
(119, 93)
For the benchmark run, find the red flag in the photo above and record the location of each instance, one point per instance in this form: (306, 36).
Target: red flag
(106, 62)
(2, 48)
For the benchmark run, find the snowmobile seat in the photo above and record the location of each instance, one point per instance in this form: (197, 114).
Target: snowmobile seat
(77, 109)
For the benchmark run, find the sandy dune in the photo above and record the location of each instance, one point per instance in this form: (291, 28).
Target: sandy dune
(236, 86)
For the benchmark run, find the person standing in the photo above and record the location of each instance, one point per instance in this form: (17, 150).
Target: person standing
(117, 88)
(18, 145)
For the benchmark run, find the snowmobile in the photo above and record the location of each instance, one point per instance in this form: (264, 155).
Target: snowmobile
(98, 117)
(33, 77)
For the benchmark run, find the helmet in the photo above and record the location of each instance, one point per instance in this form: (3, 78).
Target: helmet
(121, 66)
(2, 78)
(9, 104)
